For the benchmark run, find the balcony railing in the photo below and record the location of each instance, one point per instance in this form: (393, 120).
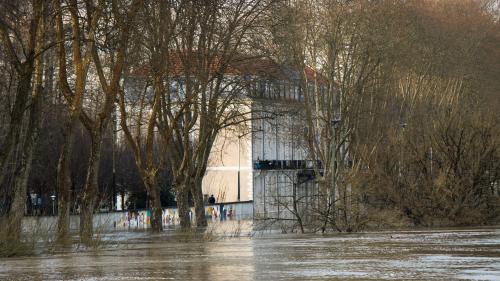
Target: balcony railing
(285, 164)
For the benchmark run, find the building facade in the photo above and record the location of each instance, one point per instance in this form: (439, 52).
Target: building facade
(266, 161)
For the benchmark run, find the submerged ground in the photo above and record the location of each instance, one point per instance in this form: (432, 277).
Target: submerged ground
(438, 254)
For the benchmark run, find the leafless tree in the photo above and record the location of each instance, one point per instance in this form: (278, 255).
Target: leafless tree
(209, 37)
(82, 42)
(86, 29)
(25, 53)
(116, 35)
(140, 102)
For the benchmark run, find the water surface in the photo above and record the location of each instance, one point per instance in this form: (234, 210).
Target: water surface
(452, 254)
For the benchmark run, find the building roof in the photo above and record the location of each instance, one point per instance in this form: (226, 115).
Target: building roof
(263, 67)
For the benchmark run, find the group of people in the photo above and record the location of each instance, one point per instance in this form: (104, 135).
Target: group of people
(223, 212)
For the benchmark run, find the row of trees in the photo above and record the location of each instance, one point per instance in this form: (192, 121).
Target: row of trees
(408, 120)
(160, 64)
(400, 110)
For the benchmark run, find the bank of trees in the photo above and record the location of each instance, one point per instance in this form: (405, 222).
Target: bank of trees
(400, 102)
(402, 112)
(147, 79)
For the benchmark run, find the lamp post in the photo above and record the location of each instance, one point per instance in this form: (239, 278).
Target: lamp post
(53, 197)
(335, 121)
(239, 162)
(239, 167)
(113, 162)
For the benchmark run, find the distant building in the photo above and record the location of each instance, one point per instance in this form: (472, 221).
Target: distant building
(267, 162)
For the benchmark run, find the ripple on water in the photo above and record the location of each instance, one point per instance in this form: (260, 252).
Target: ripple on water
(419, 255)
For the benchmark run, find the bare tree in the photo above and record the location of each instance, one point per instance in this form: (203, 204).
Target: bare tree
(209, 37)
(155, 39)
(425, 112)
(32, 67)
(123, 15)
(20, 51)
(332, 42)
(82, 44)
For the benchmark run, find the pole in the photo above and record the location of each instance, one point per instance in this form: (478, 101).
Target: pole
(53, 197)
(333, 167)
(333, 173)
(113, 143)
(239, 166)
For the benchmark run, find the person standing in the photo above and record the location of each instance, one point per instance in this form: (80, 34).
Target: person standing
(211, 200)
(222, 213)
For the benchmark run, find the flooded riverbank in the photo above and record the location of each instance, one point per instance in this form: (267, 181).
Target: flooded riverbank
(444, 254)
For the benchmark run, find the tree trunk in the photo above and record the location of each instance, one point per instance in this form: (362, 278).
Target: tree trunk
(13, 135)
(199, 204)
(90, 190)
(17, 207)
(23, 169)
(64, 181)
(324, 210)
(183, 205)
(155, 204)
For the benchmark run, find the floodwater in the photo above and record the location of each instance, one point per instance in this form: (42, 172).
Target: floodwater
(439, 254)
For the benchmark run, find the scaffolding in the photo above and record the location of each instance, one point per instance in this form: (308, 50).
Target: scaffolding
(283, 195)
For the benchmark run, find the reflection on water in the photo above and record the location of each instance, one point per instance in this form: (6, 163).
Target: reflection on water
(416, 255)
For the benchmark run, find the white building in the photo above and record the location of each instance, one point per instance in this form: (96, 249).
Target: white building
(267, 162)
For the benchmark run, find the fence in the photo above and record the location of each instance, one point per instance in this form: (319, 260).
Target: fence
(138, 219)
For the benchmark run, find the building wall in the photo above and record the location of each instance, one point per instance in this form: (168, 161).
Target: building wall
(277, 133)
(221, 178)
(273, 133)
(272, 158)
(137, 219)
(278, 139)
(274, 194)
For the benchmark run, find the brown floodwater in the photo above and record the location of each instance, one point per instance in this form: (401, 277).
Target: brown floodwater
(435, 254)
